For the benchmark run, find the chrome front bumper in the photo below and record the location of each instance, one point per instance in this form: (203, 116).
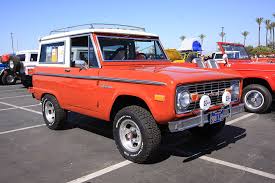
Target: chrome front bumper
(202, 118)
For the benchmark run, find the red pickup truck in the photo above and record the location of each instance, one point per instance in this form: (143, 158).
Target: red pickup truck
(259, 77)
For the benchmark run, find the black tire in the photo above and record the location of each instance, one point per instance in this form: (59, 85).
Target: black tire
(27, 82)
(1, 80)
(264, 92)
(208, 130)
(60, 116)
(7, 81)
(150, 134)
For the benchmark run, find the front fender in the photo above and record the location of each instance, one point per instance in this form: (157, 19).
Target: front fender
(161, 110)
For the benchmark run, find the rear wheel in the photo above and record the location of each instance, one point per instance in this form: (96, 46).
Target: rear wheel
(208, 130)
(257, 98)
(136, 134)
(54, 116)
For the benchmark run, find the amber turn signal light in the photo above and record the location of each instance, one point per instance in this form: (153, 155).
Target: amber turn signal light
(160, 98)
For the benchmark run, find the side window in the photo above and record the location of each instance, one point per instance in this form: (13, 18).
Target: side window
(53, 53)
(21, 57)
(218, 56)
(82, 52)
(33, 57)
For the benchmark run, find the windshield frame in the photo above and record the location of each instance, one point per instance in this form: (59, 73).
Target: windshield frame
(130, 37)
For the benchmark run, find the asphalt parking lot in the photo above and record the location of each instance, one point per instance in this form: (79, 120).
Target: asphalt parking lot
(86, 152)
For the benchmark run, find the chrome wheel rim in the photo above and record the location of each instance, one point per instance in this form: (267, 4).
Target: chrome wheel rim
(10, 79)
(130, 135)
(49, 112)
(254, 99)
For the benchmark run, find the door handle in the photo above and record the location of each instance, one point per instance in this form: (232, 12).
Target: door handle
(67, 70)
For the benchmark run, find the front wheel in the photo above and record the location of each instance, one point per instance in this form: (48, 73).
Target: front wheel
(136, 134)
(9, 79)
(257, 98)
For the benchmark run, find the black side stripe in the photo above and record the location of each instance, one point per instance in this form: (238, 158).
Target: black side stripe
(123, 80)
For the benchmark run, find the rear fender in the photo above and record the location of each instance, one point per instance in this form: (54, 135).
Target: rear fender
(40, 93)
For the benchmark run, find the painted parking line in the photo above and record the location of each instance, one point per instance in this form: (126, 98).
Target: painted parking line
(15, 97)
(21, 129)
(101, 172)
(239, 167)
(239, 119)
(125, 163)
(21, 89)
(205, 158)
(23, 108)
(11, 108)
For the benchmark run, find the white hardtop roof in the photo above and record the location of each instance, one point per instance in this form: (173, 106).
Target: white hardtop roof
(110, 31)
(26, 51)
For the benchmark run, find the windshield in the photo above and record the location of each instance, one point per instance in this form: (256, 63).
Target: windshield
(235, 52)
(123, 49)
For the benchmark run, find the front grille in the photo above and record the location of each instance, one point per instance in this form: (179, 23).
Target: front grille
(213, 89)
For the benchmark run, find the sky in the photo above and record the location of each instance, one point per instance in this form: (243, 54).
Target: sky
(29, 20)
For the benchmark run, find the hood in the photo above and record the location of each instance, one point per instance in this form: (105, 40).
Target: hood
(254, 66)
(180, 74)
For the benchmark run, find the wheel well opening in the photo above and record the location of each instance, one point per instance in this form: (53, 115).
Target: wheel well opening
(259, 81)
(124, 101)
(44, 94)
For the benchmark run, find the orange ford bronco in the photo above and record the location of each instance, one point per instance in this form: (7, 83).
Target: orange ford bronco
(123, 75)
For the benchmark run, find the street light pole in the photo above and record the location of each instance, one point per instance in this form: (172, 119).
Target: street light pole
(12, 43)
(222, 33)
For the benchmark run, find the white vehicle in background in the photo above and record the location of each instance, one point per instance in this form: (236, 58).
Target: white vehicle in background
(218, 56)
(28, 58)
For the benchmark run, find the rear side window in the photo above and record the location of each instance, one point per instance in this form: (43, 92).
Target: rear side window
(33, 57)
(53, 53)
(21, 57)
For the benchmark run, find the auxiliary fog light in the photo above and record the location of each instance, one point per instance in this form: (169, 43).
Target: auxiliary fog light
(226, 98)
(205, 102)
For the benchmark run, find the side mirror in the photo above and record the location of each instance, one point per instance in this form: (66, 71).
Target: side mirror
(84, 66)
(81, 64)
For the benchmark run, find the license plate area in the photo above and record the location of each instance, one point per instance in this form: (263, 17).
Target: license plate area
(216, 116)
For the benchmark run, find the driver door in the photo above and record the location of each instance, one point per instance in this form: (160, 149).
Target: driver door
(81, 88)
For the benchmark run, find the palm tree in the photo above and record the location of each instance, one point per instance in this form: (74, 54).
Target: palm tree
(259, 21)
(272, 25)
(182, 38)
(267, 25)
(245, 34)
(222, 34)
(202, 36)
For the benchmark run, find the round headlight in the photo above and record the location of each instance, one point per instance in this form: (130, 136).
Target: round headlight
(11, 64)
(183, 99)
